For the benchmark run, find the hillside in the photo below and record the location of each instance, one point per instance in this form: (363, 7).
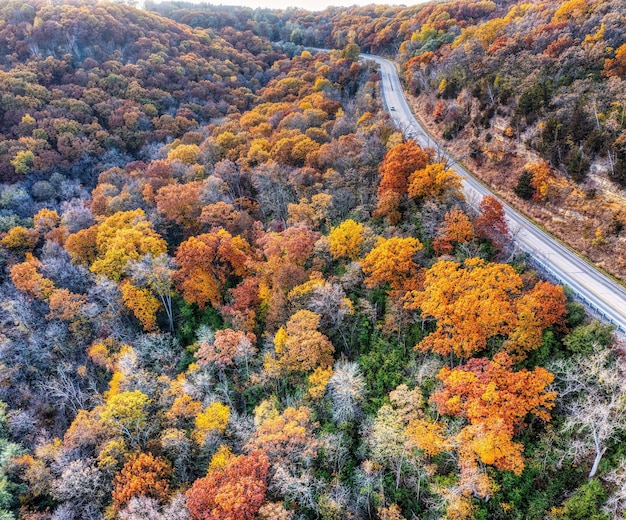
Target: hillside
(531, 96)
(88, 86)
(248, 297)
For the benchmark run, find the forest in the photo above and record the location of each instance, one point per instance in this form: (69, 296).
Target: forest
(530, 95)
(231, 289)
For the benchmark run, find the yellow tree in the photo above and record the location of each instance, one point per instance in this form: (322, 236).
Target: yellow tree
(109, 246)
(391, 262)
(299, 346)
(346, 239)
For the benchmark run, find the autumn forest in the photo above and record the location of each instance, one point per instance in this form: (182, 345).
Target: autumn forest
(232, 290)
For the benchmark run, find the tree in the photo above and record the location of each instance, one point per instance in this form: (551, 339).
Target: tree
(214, 419)
(180, 203)
(143, 475)
(539, 308)
(142, 302)
(65, 305)
(346, 239)
(20, 240)
(27, 278)
(286, 438)
(346, 387)
(470, 303)
(299, 346)
(109, 246)
(125, 414)
(434, 182)
(207, 262)
(391, 262)
(227, 346)
(156, 274)
(491, 222)
(616, 66)
(234, 492)
(399, 163)
(593, 387)
(456, 229)
(187, 153)
(495, 400)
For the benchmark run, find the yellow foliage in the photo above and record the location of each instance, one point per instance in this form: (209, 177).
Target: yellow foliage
(142, 302)
(318, 381)
(20, 240)
(346, 239)
(571, 9)
(266, 410)
(221, 458)
(391, 262)
(45, 220)
(393, 512)
(214, 419)
(187, 153)
(299, 346)
(434, 182)
(112, 454)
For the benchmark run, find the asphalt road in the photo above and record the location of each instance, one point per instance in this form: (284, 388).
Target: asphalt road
(593, 288)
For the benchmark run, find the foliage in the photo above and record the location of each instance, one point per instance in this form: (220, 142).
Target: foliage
(234, 492)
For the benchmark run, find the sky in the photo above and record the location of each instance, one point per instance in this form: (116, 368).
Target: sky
(311, 5)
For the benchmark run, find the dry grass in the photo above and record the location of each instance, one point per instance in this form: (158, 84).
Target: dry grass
(571, 213)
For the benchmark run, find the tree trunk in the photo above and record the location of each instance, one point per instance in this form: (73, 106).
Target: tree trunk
(596, 463)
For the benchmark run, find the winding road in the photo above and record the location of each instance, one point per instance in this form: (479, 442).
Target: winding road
(593, 288)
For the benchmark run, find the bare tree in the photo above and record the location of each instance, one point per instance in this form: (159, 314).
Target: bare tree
(594, 391)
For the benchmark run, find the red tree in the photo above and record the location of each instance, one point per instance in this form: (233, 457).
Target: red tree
(233, 493)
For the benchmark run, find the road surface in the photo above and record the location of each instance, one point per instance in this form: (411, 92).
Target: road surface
(593, 288)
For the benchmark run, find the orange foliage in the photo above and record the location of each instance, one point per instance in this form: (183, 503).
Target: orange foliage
(399, 163)
(227, 345)
(234, 492)
(541, 307)
(391, 262)
(457, 228)
(491, 222)
(470, 303)
(26, 277)
(617, 65)
(180, 203)
(144, 475)
(495, 400)
(65, 305)
(286, 437)
(542, 175)
(207, 262)
(435, 182)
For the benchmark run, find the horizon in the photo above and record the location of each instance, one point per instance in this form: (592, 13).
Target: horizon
(309, 5)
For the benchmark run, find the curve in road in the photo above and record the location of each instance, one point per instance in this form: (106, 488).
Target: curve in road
(593, 288)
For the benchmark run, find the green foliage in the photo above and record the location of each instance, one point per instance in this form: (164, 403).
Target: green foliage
(384, 368)
(586, 503)
(524, 188)
(584, 339)
(191, 318)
